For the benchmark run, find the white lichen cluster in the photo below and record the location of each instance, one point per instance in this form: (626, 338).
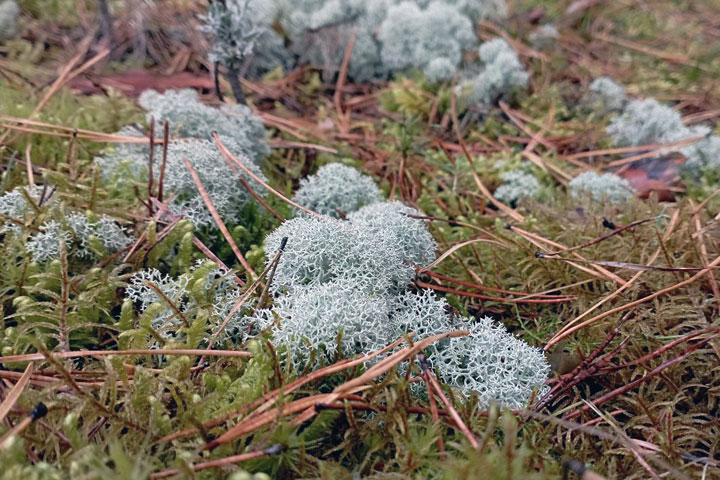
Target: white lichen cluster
(502, 74)
(517, 185)
(341, 288)
(228, 196)
(82, 237)
(241, 132)
(429, 39)
(407, 234)
(390, 35)
(243, 39)
(606, 187)
(234, 33)
(647, 121)
(322, 249)
(335, 190)
(205, 292)
(188, 117)
(9, 12)
(15, 207)
(492, 364)
(607, 94)
(543, 36)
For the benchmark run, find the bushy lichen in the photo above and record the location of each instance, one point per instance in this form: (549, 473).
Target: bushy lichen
(233, 32)
(601, 187)
(82, 237)
(607, 94)
(188, 117)
(129, 164)
(502, 74)
(335, 190)
(48, 243)
(390, 35)
(341, 289)
(412, 37)
(15, 207)
(409, 235)
(492, 364)
(312, 319)
(517, 185)
(320, 250)
(205, 293)
(9, 12)
(648, 121)
(543, 36)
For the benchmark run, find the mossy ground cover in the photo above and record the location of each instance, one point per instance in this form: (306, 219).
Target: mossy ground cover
(616, 293)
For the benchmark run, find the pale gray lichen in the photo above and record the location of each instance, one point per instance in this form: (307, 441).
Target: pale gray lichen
(543, 36)
(15, 207)
(206, 290)
(424, 313)
(188, 117)
(9, 12)
(390, 35)
(412, 37)
(517, 185)
(607, 94)
(47, 244)
(601, 187)
(323, 249)
(233, 31)
(335, 190)
(110, 236)
(219, 180)
(129, 163)
(409, 235)
(243, 38)
(648, 121)
(502, 74)
(492, 364)
(83, 238)
(439, 69)
(312, 319)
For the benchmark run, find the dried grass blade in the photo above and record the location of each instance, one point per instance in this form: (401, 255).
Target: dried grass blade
(15, 392)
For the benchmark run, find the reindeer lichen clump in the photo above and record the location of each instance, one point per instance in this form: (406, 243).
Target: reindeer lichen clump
(342, 288)
(9, 12)
(502, 74)
(15, 206)
(336, 190)
(544, 36)
(82, 237)
(601, 187)
(389, 36)
(517, 185)
(408, 234)
(241, 132)
(647, 121)
(220, 181)
(237, 27)
(412, 37)
(321, 250)
(608, 94)
(186, 308)
(188, 117)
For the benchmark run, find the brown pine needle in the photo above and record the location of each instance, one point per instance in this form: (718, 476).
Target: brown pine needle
(12, 396)
(229, 155)
(216, 217)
